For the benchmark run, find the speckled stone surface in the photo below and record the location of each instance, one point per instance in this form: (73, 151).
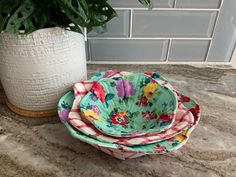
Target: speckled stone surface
(43, 147)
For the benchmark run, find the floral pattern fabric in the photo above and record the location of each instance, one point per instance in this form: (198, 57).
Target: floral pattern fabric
(184, 119)
(186, 104)
(148, 106)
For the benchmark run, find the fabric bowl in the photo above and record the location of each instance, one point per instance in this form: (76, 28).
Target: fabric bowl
(126, 152)
(121, 151)
(130, 105)
(184, 119)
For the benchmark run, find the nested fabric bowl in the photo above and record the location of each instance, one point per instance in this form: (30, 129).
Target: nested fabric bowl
(183, 119)
(126, 152)
(130, 105)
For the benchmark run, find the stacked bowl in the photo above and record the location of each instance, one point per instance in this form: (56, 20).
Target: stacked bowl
(127, 115)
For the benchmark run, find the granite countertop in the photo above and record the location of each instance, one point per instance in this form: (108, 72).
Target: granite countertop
(43, 147)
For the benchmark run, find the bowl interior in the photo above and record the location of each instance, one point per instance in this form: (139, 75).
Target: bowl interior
(131, 105)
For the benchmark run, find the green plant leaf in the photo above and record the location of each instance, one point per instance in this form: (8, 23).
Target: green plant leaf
(146, 3)
(20, 20)
(76, 10)
(100, 13)
(30, 15)
(5, 9)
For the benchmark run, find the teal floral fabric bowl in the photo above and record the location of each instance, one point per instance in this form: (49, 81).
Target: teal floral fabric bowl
(125, 152)
(130, 105)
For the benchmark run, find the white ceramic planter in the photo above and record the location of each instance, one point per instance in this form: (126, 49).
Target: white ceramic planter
(37, 69)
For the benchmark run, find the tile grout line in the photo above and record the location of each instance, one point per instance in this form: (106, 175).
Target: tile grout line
(169, 9)
(156, 62)
(168, 51)
(131, 24)
(89, 52)
(153, 38)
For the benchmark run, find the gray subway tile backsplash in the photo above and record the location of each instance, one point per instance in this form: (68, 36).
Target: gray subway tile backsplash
(188, 50)
(214, 4)
(138, 34)
(173, 23)
(128, 50)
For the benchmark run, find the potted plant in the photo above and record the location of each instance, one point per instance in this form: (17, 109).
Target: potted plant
(42, 49)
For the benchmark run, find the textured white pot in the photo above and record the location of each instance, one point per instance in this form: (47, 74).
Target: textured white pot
(37, 69)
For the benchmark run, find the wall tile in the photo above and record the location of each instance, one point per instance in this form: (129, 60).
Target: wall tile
(170, 24)
(198, 4)
(87, 50)
(224, 41)
(173, 23)
(117, 27)
(128, 50)
(135, 3)
(188, 50)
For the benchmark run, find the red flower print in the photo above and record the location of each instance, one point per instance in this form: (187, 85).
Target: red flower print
(149, 116)
(196, 113)
(185, 99)
(143, 101)
(159, 149)
(145, 113)
(121, 120)
(99, 91)
(197, 109)
(148, 73)
(166, 117)
(153, 116)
